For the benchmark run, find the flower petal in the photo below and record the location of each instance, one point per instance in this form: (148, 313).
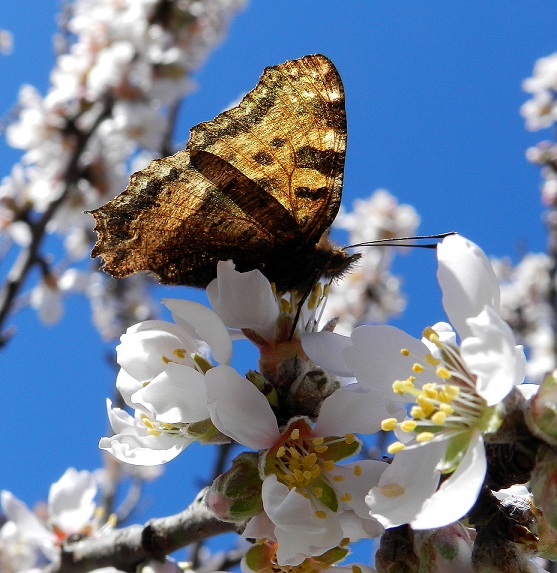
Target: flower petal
(244, 300)
(239, 410)
(407, 482)
(467, 280)
(203, 324)
(375, 356)
(491, 355)
(176, 395)
(355, 409)
(326, 349)
(459, 492)
(71, 500)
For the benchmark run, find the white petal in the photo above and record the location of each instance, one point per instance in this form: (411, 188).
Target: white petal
(26, 521)
(491, 355)
(355, 409)
(358, 477)
(326, 349)
(288, 509)
(176, 395)
(375, 356)
(239, 410)
(127, 385)
(71, 500)
(467, 280)
(244, 300)
(143, 346)
(409, 480)
(143, 450)
(458, 493)
(203, 324)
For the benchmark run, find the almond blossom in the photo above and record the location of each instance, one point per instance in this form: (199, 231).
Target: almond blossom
(162, 379)
(455, 391)
(71, 510)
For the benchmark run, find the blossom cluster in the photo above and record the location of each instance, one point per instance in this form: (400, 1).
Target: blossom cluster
(303, 489)
(113, 96)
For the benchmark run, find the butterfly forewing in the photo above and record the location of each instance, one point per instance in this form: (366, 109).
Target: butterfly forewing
(289, 136)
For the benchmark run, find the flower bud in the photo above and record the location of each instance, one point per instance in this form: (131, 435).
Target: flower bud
(444, 550)
(236, 494)
(541, 414)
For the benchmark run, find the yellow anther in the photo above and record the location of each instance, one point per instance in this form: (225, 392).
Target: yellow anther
(346, 497)
(307, 475)
(310, 459)
(165, 359)
(294, 453)
(320, 515)
(329, 465)
(316, 471)
(408, 425)
(167, 426)
(399, 387)
(344, 542)
(281, 451)
(180, 353)
(425, 437)
(321, 449)
(395, 447)
(405, 352)
(439, 418)
(417, 412)
(431, 360)
(357, 470)
(295, 434)
(318, 440)
(417, 368)
(389, 424)
(147, 422)
(430, 390)
(318, 492)
(451, 390)
(338, 478)
(446, 409)
(392, 490)
(443, 373)
(349, 438)
(299, 475)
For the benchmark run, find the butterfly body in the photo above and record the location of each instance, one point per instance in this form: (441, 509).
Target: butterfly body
(260, 184)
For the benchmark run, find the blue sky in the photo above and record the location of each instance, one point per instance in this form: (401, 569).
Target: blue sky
(433, 91)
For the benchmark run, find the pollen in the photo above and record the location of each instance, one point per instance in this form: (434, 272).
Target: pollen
(389, 424)
(425, 437)
(439, 418)
(392, 490)
(443, 373)
(395, 447)
(408, 425)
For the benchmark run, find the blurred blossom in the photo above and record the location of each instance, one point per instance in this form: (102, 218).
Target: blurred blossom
(112, 92)
(369, 292)
(71, 510)
(540, 112)
(6, 42)
(525, 295)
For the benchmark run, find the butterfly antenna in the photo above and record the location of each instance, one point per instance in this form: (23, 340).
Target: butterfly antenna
(397, 241)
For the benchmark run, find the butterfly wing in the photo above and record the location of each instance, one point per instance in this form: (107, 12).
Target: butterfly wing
(262, 179)
(289, 136)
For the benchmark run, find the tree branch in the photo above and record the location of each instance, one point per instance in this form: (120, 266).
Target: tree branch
(126, 548)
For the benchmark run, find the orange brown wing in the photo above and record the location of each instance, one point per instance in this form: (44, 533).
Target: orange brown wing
(261, 180)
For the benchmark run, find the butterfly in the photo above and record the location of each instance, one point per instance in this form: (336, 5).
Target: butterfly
(260, 184)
